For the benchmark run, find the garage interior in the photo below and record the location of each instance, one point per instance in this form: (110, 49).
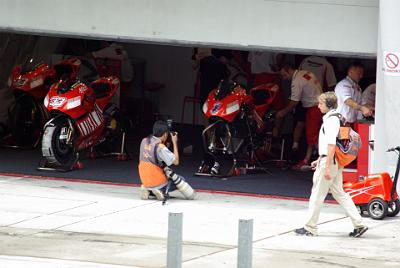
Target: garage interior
(162, 77)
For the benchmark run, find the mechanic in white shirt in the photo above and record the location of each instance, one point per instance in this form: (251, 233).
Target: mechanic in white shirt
(368, 99)
(305, 88)
(348, 93)
(264, 67)
(262, 62)
(117, 52)
(328, 176)
(368, 96)
(322, 69)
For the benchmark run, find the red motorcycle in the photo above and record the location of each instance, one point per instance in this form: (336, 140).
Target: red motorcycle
(30, 83)
(238, 125)
(82, 117)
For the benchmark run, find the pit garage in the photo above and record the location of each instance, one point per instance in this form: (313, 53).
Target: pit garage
(163, 80)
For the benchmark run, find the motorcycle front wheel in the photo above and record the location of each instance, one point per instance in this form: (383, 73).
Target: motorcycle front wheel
(55, 148)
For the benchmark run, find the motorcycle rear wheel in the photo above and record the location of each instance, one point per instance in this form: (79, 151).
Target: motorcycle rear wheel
(25, 122)
(54, 149)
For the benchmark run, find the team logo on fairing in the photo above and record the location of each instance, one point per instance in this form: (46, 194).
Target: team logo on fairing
(216, 107)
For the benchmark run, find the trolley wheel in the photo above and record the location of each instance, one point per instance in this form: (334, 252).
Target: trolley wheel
(79, 165)
(362, 209)
(122, 157)
(92, 155)
(377, 209)
(394, 208)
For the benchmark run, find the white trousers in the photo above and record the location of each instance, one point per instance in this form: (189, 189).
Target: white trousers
(320, 189)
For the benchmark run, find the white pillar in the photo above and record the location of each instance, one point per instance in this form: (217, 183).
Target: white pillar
(387, 120)
(245, 244)
(174, 240)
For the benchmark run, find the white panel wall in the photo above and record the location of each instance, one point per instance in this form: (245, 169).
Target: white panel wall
(339, 26)
(387, 95)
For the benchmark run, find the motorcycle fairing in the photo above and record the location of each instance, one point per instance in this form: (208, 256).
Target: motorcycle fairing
(228, 107)
(31, 81)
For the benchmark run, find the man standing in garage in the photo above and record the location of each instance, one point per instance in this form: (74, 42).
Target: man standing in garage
(322, 69)
(305, 88)
(328, 175)
(349, 94)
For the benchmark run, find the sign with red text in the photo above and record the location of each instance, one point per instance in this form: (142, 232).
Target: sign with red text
(391, 63)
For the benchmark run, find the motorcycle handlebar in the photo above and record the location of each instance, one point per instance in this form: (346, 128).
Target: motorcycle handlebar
(394, 149)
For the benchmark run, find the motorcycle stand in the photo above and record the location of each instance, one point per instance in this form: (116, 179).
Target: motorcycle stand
(46, 166)
(209, 169)
(281, 162)
(122, 155)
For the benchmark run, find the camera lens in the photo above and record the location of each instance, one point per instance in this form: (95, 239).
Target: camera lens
(169, 124)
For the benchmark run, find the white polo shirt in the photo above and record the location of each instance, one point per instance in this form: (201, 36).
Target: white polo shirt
(322, 69)
(117, 52)
(305, 88)
(261, 62)
(328, 132)
(368, 95)
(344, 90)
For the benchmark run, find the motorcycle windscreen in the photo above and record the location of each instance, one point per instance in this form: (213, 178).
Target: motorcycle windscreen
(30, 64)
(224, 89)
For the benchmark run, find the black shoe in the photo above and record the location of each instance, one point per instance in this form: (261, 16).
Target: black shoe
(358, 231)
(302, 231)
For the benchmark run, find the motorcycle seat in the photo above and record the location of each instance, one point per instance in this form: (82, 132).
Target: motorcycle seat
(260, 96)
(101, 90)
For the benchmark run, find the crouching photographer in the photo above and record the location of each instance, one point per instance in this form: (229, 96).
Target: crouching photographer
(155, 159)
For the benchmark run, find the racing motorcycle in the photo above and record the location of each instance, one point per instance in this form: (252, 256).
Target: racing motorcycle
(30, 83)
(82, 117)
(238, 125)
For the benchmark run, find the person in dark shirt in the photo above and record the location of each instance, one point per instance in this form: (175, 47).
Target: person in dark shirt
(211, 69)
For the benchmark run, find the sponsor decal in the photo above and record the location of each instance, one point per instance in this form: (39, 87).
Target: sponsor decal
(82, 89)
(57, 101)
(216, 107)
(232, 107)
(91, 122)
(357, 192)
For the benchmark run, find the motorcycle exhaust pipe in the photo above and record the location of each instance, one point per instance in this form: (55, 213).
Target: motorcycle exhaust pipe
(183, 187)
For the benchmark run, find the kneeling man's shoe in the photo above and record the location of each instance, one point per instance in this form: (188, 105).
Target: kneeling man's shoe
(159, 194)
(144, 193)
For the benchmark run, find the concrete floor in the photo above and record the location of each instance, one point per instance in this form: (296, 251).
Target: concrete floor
(54, 223)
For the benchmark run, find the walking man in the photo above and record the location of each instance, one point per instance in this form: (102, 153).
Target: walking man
(328, 175)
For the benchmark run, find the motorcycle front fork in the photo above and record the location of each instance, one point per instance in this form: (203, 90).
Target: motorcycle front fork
(66, 135)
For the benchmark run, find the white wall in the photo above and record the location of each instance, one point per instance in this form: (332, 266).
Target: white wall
(336, 26)
(387, 95)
